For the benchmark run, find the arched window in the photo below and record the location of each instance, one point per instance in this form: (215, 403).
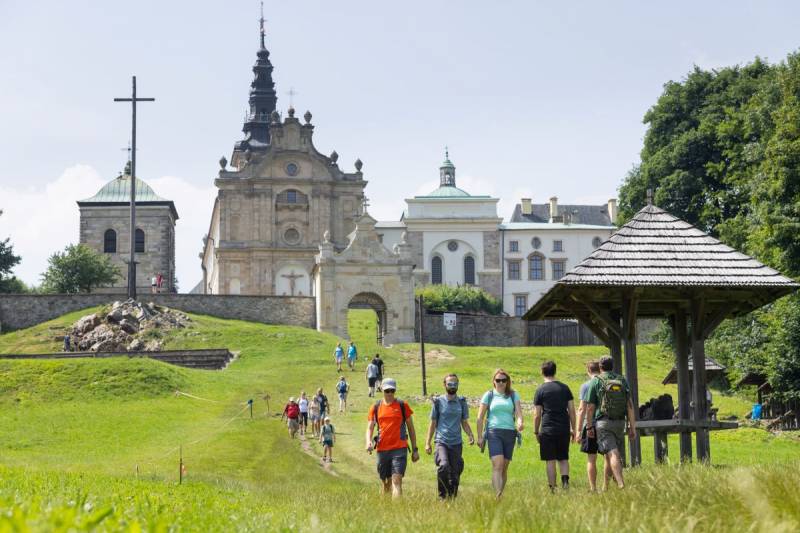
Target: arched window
(436, 270)
(535, 266)
(469, 270)
(139, 244)
(110, 241)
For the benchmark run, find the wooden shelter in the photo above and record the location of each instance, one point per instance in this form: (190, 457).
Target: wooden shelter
(713, 371)
(659, 266)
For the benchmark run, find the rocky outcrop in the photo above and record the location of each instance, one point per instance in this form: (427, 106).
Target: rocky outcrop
(126, 326)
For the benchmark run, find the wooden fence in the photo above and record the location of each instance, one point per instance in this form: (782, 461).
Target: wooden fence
(560, 333)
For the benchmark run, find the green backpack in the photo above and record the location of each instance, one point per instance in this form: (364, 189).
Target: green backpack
(613, 398)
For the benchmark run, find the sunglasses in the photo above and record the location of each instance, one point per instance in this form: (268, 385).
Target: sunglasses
(389, 391)
(501, 380)
(451, 385)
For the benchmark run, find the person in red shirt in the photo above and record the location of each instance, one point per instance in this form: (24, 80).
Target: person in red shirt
(395, 428)
(292, 414)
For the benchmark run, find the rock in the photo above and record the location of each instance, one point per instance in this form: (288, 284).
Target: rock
(129, 326)
(152, 346)
(115, 316)
(86, 324)
(136, 346)
(107, 345)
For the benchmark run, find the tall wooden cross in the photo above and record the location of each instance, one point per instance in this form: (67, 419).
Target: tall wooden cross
(132, 263)
(292, 280)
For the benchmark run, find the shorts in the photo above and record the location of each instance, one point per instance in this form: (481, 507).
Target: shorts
(554, 447)
(351, 360)
(339, 360)
(501, 442)
(610, 435)
(292, 424)
(392, 462)
(372, 381)
(304, 419)
(314, 418)
(342, 395)
(588, 444)
(328, 443)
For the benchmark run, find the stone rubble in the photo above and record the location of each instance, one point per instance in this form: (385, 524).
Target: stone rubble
(126, 327)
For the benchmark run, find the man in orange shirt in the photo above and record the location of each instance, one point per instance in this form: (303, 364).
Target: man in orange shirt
(393, 418)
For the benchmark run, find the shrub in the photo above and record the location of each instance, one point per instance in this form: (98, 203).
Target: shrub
(447, 298)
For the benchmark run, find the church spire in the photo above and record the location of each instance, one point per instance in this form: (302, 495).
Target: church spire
(447, 172)
(263, 98)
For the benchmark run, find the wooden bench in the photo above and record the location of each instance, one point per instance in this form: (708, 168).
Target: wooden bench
(659, 429)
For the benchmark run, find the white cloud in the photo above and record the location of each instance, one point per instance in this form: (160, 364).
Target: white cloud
(42, 220)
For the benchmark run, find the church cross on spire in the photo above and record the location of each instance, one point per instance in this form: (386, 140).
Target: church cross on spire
(261, 24)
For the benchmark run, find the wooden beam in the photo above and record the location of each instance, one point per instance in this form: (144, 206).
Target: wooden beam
(586, 319)
(679, 335)
(714, 320)
(616, 355)
(603, 316)
(698, 314)
(631, 373)
(699, 378)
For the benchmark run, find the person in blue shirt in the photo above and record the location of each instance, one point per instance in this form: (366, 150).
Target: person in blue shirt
(338, 354)
(449, 415)
(352, 353)
(499, 423)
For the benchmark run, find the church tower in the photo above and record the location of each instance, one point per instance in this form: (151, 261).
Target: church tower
(276, 200)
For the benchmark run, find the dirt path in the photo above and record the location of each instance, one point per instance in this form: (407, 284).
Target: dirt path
(306, 447)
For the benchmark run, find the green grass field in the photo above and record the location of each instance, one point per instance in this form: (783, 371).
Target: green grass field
(95, 445)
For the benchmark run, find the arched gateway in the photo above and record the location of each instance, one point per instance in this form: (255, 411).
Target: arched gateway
(365, 275)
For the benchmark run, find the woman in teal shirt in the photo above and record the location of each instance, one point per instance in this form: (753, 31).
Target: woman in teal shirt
(502, 405)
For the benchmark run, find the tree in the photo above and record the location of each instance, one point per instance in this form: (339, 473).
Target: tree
(78, 269)
(8, 261)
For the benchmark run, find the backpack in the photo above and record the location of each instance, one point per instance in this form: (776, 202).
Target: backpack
(486, 425)
(292, 410)
(461, 400)
(403, 432)
(341, 387)
(322, 400)
(613, 398)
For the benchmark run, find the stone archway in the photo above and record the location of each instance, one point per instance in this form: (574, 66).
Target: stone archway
(370, 300)
(365, 275)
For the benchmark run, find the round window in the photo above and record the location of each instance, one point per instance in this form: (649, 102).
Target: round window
(452, 246)
(292, 169)
(291, 236)
(536, 242)
(596, 242)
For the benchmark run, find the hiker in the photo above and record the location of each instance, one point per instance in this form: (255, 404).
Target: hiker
(338, 354)
(499, 425)
(159, 282)
(313, 414)
(67, 346)
(377, 361)
(352, 353)
(322, 401)
(588, 444)
(608, 404)
(395, 429)
(327, 437)
(372, 378)
(153, 284)
(449, 415)
(302, 403)
(342, 388)
(554, 424)
(292, 414)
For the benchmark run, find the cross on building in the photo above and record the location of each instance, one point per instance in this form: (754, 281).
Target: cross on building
(291, 93)
(292, 277)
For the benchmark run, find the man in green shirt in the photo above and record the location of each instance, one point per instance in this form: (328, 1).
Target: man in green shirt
(608, 405)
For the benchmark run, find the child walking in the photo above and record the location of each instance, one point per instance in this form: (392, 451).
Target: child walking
(327, 436)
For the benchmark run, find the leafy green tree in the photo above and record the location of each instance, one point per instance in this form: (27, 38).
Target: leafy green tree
(459, 298)
(8, 261)
(78, 269)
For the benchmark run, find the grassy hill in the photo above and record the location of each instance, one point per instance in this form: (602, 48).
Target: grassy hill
(97, 442)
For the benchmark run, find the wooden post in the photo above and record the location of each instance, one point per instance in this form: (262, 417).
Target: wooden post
(422, 345)
(615, 346)
(629, 308)
(660, 446)
(699, 379)
(684, 389)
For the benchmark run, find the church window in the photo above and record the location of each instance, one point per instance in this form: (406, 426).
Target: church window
(110, 241)
(535, 267)
(452, 246)
(139, 244)
(291, 197)
(513, 269)
(536, 242)
(292, 169)
(291, 236)
(436, 270)
(559, 269)
(513, 246)
(558, 246)
(520, 304)
(469, 270)
(596, 242)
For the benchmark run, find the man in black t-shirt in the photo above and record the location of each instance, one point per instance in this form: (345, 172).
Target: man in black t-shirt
(377, 361)
(554, 424)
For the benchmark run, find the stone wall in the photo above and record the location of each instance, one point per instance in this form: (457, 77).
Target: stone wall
(474, 330)
(25, 310)
(208, 359)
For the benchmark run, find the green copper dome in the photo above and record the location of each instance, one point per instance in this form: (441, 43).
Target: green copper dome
(447, 191)
(119, 190)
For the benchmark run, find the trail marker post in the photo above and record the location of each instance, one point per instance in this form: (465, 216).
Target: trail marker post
(250, 403)
(180, 468)
(422, 346)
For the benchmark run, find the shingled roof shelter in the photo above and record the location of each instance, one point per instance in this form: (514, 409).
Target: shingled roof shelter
(657, 266)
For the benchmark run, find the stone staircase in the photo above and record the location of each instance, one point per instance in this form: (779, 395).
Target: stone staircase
(212, 359)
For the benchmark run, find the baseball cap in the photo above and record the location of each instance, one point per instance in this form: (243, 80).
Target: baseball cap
(291, 399)
(389, 383)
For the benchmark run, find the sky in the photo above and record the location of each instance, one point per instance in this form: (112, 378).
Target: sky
(534, 99)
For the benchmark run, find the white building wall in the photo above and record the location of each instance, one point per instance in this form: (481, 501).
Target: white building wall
(577, 245)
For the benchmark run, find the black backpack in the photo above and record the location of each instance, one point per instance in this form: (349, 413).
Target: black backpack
(403, 431)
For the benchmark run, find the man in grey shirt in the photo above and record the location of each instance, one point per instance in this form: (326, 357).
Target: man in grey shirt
(449, 415)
